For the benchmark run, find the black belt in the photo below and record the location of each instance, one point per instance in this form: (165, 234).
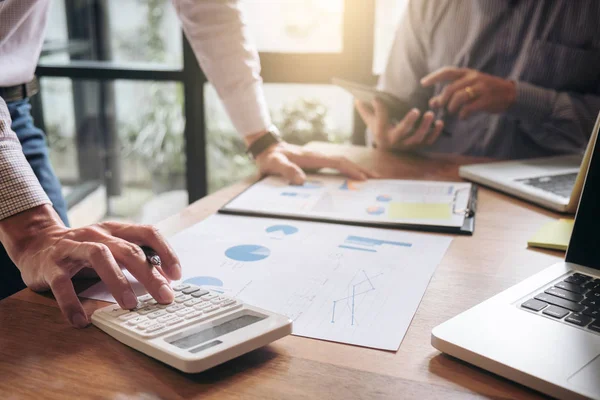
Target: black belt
(20, 92)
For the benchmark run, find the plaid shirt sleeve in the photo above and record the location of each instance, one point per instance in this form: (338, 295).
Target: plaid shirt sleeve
(20, 189)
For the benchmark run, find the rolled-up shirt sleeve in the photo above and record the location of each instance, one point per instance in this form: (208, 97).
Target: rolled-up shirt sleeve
(20, 189)
(221, 43)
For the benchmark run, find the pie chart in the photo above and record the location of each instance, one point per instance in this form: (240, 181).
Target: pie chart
(282, 230)
(204, 281)
(375, 210)
(247, 253)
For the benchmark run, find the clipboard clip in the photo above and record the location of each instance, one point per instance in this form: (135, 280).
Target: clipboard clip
(469, 210)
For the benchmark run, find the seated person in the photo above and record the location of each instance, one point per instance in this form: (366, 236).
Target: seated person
(506, 79)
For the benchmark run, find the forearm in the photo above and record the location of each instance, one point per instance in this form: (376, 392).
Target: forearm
(222, 46)
(20, 189)
(565, 117)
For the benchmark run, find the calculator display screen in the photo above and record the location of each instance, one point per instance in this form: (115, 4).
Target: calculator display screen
(215, 331)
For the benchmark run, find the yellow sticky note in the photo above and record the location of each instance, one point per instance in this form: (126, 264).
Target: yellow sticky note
(554, 235)
(400, 210)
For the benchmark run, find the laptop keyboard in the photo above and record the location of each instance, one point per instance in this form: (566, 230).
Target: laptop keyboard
(575, 300)
(561, 185)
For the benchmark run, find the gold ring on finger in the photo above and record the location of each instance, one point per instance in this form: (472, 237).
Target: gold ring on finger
(470, 92)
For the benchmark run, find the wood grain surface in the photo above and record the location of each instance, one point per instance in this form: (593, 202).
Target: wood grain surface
(42, 357)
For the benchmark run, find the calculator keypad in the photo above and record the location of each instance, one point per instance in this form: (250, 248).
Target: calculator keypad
(192, 305)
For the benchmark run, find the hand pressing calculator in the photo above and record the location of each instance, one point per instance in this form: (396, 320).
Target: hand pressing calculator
(199, 330)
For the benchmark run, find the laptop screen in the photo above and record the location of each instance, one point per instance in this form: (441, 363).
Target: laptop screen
(584, 247)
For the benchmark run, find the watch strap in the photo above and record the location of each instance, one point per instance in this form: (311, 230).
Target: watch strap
(268, 139)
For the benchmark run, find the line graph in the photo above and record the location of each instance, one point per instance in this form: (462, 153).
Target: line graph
(360, 288)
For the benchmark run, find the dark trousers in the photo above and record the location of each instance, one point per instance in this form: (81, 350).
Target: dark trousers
(35, 149)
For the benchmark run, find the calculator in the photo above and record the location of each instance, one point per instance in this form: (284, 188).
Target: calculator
(199, 330)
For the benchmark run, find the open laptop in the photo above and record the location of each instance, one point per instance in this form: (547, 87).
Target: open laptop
(545, 331)
(551, 182)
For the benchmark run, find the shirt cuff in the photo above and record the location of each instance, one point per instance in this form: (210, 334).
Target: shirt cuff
(20, 189)
(532, 103)
(248, 110)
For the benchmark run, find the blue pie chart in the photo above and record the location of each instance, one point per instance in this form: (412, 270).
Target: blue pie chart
(247, 253)
(204, 281)
(285, 229)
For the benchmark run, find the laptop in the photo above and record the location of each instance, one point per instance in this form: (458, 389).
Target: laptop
(544, 332)
(551, 182)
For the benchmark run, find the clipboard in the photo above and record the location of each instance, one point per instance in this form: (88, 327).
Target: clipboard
(468, 224)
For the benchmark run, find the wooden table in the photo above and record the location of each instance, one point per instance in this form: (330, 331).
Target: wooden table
(43, 357)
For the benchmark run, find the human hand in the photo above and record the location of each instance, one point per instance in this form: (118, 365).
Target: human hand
(288, 160)
(403, 135)
(470, 91)
(48, 254)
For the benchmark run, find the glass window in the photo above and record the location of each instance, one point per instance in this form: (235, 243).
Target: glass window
(388, 14)
(295, 26)
(128, 31)
(302, 112)
(123, 164)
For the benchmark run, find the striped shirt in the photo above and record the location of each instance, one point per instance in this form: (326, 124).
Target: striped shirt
(217, 34)
(550, 49)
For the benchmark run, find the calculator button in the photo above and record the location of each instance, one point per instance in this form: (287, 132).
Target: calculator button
(154, 327)
(126, 317)
(137, 320)
(146, 310)
(190, 290)
(150, 302)
(166, 318)
(200, 293)
(203, 305)
(157, 314)
(227, 303)
(144, 325)
(210, 296)
(210, 309)
(174, 321)
(192, 302)
(180, 287)
(182, 297)
(115, 312)
(145, 297)
(194, 314)
(175, 307)
(183, 312)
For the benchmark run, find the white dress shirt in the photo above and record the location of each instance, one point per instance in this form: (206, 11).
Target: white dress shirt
(217, 33)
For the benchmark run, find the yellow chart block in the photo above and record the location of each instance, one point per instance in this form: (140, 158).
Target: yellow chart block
(439, 211)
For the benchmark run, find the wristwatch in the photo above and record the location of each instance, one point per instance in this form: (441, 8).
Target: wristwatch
(268, 139)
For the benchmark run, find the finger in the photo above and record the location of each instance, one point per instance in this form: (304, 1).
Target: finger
(365, 111)
(442, 99)
(435, 134)
(421, 133)
(403, 129)
(279, 164)
(62, 287)
(315, 160)
(473, 107)
(98, 256)
(458, 100)
(381, 123)
(134, 259)
(148, 235)
(443, 75)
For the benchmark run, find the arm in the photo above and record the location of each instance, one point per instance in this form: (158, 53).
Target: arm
(407, 64)
(560, 120)
(19, 187)
(221, 43)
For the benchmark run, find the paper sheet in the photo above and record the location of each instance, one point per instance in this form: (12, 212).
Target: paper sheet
(374, 201)
(341, 283)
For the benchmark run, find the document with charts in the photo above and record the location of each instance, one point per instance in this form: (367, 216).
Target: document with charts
(381, 202)
(341, 283)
